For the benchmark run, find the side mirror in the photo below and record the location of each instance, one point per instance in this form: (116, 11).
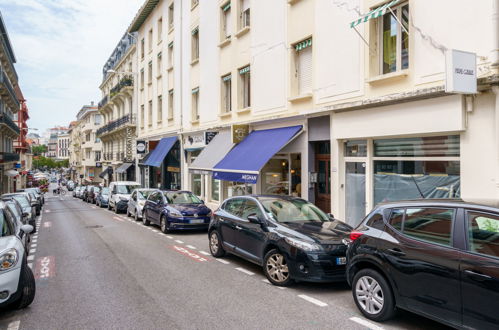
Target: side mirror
(25, 214)
(331, 215)
(26, 229)
(254, 219)
(202, 202)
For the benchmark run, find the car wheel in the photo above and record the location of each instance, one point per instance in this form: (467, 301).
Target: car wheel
(136, 215)
(275, 267)
(373, 295)
(28, 287)
(109, 206)
(144, 220)
(165, 228)
(128, 215)
(216, 247)
(116, 209)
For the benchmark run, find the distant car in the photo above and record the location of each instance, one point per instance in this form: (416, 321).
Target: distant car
(120, 192)
(37, 192)
(79, 193)
(35, 202)
(91, 194)
(75, 190)
(28, 211)
(176, 210)
(289, 237)
(137, 202)
(70, 185)
(436, 258)
(102, 197)
(17, 283)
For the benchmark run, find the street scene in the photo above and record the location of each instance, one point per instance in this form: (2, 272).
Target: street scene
(249, 164)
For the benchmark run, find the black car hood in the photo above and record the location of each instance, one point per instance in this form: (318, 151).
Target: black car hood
(191, 209)
(330, 232)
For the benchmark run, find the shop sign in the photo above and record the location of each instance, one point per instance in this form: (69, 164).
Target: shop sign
(173, 169)
(208, 136)
(460, 72)
(141, 147)
(236, 177)
(98, 164)
(194, 141)
(239, 132)
(17, 165)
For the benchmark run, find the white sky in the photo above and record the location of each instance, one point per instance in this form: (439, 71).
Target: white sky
(61, 47)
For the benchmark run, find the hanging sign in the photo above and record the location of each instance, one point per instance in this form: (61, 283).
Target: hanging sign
(460, 72)
(239, 132)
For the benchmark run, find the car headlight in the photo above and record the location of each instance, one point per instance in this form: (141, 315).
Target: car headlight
(123, 199)
(175, 214)
(8, 259)
(141, 203)
(302, 245)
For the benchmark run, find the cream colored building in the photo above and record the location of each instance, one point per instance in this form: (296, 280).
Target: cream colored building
(118, 110)
(367, 91)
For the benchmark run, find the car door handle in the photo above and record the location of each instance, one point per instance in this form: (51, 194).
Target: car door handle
(396, 252)
(239, 228)
(479, 275)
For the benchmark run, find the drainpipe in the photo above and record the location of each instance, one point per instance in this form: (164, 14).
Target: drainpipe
(183, 158)
(494, 55)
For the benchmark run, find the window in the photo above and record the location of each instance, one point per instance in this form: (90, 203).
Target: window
(149, 73)
(234, 206)
(195, 44)
(245, 87)
(376, 221)
(150, 40)
(159, 64)
(251, 208)
(483, 231)
(160, 29)
(170, 16)
(226, 27)
(196, 184)
(6, 221)
(194, 3)
(195, 104)
(429, 224)
(226, 94)
(160, 109)
(97, 119)
(170, 104)
(149, 113)
(244, 14)
(170, 54)
(394, 40)
(142, 78)
(356, 148)
(215, 189)
(396, 219)
(303, 66)
(142, 44)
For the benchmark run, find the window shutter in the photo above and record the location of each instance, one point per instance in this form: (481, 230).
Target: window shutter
(305, 70)
(228, 23)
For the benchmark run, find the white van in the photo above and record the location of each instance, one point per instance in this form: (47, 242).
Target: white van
(119, 194)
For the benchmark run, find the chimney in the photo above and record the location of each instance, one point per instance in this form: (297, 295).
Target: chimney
(92, 103)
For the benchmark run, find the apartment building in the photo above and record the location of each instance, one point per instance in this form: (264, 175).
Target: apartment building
(21, 145)
(63, 141)
(9, 107)
(118, 109)
(311, 98)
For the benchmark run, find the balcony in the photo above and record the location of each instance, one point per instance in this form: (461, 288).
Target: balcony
(5, 120)
(120, 156)
(7, 91)
(127, 120)
(107, 156)
(124, 82)
(6, 157)
(104, 101)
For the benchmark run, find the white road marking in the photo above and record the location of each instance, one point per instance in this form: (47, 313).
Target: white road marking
(204, 252)
(31, 258)
(14, 325)
(32, 251)
(366, 323)
(34, 240)
(191, 247)
(118, 218)
(35, 236)
(47, 211)
(242, 270)
(33, 246)
(179, 241)
(154, 230)
(312, 300)
(170, 237)
(225, 262)
(30, 265)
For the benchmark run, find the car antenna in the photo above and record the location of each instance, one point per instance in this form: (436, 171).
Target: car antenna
(420, 192)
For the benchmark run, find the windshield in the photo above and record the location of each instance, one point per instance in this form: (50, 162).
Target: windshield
(283, 210)
(125, 189)
(144, 194)
(181, 198)
(105, 191)
(23, 201)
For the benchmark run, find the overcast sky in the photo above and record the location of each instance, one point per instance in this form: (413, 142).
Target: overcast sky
(61, 47)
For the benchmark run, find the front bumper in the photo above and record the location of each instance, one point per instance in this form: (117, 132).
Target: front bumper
(316, 267)
(189, 223)
(9, 281)
(122, 205)
(103, 202)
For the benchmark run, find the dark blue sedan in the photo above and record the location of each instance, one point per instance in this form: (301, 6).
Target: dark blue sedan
(176, 210)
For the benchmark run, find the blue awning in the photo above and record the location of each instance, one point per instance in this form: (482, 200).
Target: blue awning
(244, 161)
(159, 153)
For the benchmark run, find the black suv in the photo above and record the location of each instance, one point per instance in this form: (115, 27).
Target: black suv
(291, 238)
(437, 258)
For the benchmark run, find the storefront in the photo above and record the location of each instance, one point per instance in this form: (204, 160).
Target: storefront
(161, 167)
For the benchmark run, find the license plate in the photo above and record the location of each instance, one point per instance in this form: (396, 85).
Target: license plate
(341, 261)
(197, 221)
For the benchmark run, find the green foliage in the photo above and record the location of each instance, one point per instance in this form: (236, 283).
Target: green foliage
(44, 162)
(490, 226)
(39, 150)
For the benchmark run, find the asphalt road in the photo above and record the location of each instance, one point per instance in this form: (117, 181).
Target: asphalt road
(99, 270)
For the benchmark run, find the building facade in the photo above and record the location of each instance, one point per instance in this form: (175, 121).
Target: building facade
(9, 107)
(21, 145)
(63, 141)
(118, 109)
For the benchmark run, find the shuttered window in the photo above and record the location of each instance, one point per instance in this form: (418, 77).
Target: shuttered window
(304, 70)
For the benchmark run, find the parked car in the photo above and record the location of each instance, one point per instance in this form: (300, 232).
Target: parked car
(70, 185)
(17, 283)
(36, 203)
(91, 194)
(102, 197)
(75, 190)
(27, 210)
(84, 193)
(436, 258)
(289, 237)
(79, 193)
(120, 194)
(40, 197)
(137, 201)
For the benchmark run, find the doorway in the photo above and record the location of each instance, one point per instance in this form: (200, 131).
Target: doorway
(323, 170)
(355, 192)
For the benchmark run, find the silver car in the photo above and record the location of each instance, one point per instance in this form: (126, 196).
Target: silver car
(17, 283)
(137, 201)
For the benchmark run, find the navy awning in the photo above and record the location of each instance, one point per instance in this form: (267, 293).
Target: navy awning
(123, 168)
(159, 153)
(107, 171)
(244, 161)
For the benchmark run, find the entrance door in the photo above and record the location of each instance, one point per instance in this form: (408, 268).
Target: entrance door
(355, 192)
(323, 188)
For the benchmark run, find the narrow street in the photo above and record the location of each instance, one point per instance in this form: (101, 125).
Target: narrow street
(98, 270)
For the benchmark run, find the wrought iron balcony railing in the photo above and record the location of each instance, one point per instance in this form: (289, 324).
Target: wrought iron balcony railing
(8, 89)
(124, 82)
(4, 119)
(104, 101)
(115, 124)
(8, 157)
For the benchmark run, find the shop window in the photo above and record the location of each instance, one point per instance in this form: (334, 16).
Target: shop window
(394, 39)
(429, 224)
(215, 190)
(434, 146)
(226, 94)
(231, 189)
(195, 44)
(226, 27)
(196, 185)
(244, 87)
(357, 148)
(275, 177)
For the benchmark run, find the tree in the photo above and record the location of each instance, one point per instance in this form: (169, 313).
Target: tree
(38, 150)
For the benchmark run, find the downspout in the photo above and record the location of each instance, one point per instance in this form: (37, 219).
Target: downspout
(494, 65)
(183, 158)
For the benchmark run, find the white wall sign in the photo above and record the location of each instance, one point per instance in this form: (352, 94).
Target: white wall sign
(460, 72)
(194, 141)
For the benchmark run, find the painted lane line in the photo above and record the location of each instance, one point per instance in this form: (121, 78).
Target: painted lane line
(33, 245)
(205, 253)
(30, 265)
(366, 323)
(179, 241)
(32, 251)
(245, 271)
(312, 300)
(169, 237)
(275, 286)
(47, 224)
(45, 267)
(225, 262)
(188, 253)
(14, 325)
(191, 247)
(117, 218)
(31, 258)
(47, 211)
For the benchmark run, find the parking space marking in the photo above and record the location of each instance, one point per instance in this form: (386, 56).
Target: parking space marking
(47, 224)
(191, 247)
(366, 323)
(204, 252)
(245, 271)
(34, 240)
(169, 237)
(189, 253)
(31, 258)
(45, 267)
(312, 300)
(33, 245)
(32, 251)
(14, 325)
(179, 241)
(225, 262)
(47, 211)
(30, 265)
(118, 218)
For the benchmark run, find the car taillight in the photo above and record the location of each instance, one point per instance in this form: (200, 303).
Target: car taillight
(354, 235)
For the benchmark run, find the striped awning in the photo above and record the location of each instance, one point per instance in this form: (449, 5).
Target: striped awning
(226, 78)
(196, 30)
(195, 90)
(303, 44)
(378, 12)
(244, 70)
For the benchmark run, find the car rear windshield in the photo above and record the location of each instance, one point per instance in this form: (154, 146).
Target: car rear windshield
(125, 188)
(105, 191)
(283, 210)
(22, 200)
(181, 198)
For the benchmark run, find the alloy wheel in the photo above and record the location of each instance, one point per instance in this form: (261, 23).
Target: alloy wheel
(277, 268)
(214, 243)
(369, 295)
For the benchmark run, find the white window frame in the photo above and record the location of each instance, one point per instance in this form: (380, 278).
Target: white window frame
(244, 14)
(195, 104)
(171, 101)
(226, 93)
(195, 44)
(245, 88)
